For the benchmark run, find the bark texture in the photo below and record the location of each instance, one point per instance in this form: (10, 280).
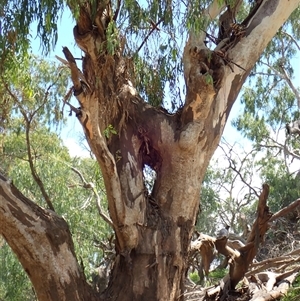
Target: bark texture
(43, 244)
(153, 230)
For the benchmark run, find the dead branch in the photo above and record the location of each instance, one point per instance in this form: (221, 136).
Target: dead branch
(205, 245)
(285, 210)
(240, 259)
(262, 293)
(287, 259)
(80, 74)
(154, 26)
(75, 75)
(89, 185)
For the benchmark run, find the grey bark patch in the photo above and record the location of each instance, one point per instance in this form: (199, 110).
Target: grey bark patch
(266, 9)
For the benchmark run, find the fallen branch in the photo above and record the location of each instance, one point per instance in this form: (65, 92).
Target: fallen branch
(285, 210)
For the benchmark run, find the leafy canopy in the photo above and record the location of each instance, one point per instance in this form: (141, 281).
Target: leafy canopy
(154, 33)
(31, 109)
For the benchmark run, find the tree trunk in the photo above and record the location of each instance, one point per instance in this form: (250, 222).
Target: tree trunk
(153, 229)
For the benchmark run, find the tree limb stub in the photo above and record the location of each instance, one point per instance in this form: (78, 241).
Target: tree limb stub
(74, 74)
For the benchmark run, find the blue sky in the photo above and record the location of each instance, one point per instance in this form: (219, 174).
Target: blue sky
(72, 132)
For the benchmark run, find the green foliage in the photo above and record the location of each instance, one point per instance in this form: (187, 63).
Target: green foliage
(110, 130)
(206, 221)
(269, 102)
(32, 87)
(14, 284)
(217, 274)
(151, 81)
(284, 187)
(33, 93)
(194, 277)
(17, 18)
(112, 38)
(209, 79)
(214, 276)
(155, 33)
(294, 292)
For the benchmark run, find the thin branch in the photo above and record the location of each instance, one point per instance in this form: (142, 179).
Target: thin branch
(119, 3)
(27, 136)
(232, 166)
(33, 170)
(291, 85)
(154, 27)
(292, 38)
(283, 74)
(101, 213)
(98, 199)
(65, 100)
(281, 146)
(81, 176)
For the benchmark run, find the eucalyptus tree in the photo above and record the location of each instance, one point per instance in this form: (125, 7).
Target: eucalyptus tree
(132, 57)
(271, 102)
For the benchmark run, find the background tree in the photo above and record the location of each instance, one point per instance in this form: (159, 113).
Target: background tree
(126, 133)
(30, 145)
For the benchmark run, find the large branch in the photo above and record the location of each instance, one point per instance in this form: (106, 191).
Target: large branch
(89, 118)
(43, 244)
(285, 210)
(214, 78)
(269, 17)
